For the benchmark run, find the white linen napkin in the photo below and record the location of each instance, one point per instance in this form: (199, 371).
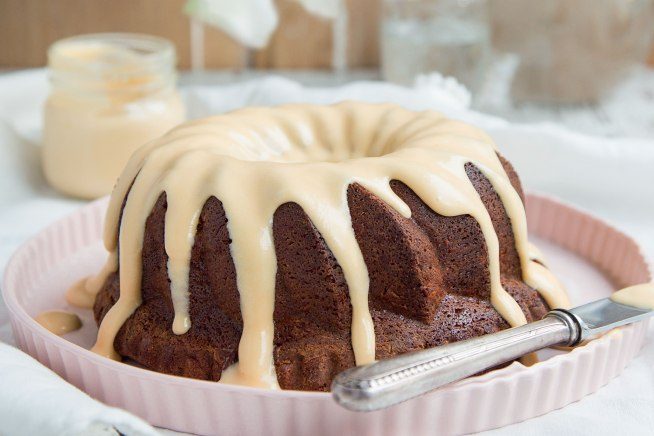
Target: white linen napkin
(613, 178)
(35, 401)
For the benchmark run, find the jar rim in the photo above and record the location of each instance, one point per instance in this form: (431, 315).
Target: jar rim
(123, 60)
(150, 49)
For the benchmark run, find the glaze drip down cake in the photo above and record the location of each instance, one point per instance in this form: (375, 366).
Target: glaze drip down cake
(276, 247)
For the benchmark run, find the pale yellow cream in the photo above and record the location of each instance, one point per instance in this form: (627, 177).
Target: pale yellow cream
(536, 254)
(641, 296)
(59, 322)
(256, 159)
(83, 292)
(103, 105)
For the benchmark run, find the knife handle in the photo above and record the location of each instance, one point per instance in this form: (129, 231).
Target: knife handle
(391, 381)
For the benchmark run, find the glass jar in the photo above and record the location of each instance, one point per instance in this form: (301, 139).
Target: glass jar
(110, 94)
(448, 36)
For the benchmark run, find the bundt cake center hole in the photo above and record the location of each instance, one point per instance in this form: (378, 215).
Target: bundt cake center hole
(330, 153)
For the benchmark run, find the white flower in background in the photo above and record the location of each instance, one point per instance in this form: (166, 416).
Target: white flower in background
(323, 8)
(436, 83)
(252, 22)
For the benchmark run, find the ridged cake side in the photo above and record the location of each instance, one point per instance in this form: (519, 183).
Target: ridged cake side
(304, 239)
(429, 285)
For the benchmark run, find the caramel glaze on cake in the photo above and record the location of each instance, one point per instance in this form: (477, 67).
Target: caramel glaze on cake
(428, 278)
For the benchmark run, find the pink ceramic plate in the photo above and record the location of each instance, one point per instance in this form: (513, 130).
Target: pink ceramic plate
(577, 246)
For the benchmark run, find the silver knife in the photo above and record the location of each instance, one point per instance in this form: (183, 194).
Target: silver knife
(388, 382)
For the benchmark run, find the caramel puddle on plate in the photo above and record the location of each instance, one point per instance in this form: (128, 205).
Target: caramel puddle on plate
(59, 322)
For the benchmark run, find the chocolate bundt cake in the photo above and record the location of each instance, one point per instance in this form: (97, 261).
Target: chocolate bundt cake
(279, 246)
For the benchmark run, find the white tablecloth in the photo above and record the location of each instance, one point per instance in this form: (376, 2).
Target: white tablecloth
(612, 177)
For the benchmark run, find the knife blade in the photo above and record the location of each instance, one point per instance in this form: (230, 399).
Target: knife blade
(603, 315)
(387, 382)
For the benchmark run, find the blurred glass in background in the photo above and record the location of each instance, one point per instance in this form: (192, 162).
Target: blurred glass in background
(565, 51)
(571, 51)
(423, 36)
